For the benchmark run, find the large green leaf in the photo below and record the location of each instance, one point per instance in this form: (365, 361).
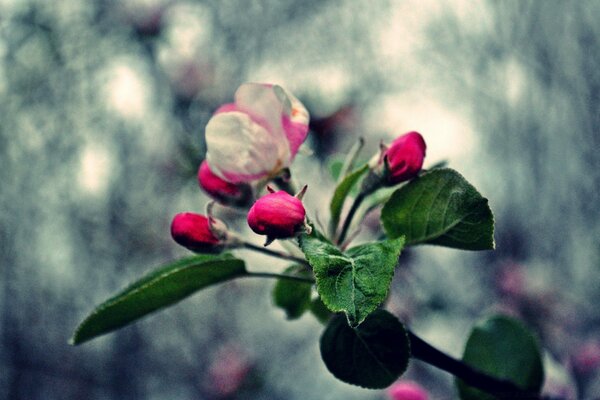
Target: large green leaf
(373, 355)
(293, 296)
(355, 282)
(441, 208)
(161, 288)
(341, 192)
(502, 347)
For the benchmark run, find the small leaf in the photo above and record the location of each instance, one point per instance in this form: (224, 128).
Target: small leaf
(320, 311)
(355, 282)
(335, 168)
(373, 355)
(502, 347)
(340, 194)
(293, 296)
(441, 208)
(161, 288)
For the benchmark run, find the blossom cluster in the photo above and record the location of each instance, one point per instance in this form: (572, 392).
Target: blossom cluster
(252, 142)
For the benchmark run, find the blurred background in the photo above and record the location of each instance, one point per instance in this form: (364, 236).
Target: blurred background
(102, 112)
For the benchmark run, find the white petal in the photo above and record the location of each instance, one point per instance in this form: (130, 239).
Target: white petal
(239, 149)
(261, 102)
(294, 108)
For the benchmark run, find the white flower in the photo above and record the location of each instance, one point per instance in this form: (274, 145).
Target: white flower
(257, 135)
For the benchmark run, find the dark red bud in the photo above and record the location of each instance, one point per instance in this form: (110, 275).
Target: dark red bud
(222, 191)
(278, 215)
(405, 157)
(194, 232)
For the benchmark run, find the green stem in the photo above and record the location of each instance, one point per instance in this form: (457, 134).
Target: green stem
(348, 221)
(275, 253)
(351, 158)
(280, 276)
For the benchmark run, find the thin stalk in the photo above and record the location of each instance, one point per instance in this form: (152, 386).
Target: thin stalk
(348, 221)
(351, 158)
(280, 276)
(275, 253)
(501, 388)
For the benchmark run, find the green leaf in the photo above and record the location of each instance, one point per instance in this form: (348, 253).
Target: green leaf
(373, 355)
(293, 296)
(161, 288)
(320, 310)
(335, 168)
(502, 347)
(340, 194)
(355, 282)
(441, 208)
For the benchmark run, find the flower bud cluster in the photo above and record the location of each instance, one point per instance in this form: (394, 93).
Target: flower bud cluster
(250, 141)
(255, 139)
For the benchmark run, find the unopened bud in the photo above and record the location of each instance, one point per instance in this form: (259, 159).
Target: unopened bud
(278, 215)
(222, 191)
(404, 158)
(199, 233)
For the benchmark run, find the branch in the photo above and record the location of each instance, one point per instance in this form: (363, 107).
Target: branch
(501, 388)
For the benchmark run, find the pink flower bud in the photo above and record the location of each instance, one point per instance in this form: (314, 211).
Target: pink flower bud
(277, 215)
(194, 232)
(222, 191)
(405, 157)
(406, 390)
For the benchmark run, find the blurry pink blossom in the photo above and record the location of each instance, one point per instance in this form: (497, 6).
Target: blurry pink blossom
(586, 358)
(228, 370)
(406, 390)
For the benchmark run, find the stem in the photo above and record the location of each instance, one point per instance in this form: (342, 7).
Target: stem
(275, 253)
(280, 276)
(500, 388)
(348, 221)
(351, 158)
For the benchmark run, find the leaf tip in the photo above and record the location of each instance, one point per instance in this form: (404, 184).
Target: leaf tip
(75, 340)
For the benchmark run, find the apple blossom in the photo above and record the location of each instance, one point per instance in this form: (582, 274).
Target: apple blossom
(256, 136)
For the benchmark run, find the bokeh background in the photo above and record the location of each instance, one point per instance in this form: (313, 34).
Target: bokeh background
(102, 110)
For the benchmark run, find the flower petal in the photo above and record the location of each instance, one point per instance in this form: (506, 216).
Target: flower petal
(262, 104)
(294, 119)
(241, 150)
